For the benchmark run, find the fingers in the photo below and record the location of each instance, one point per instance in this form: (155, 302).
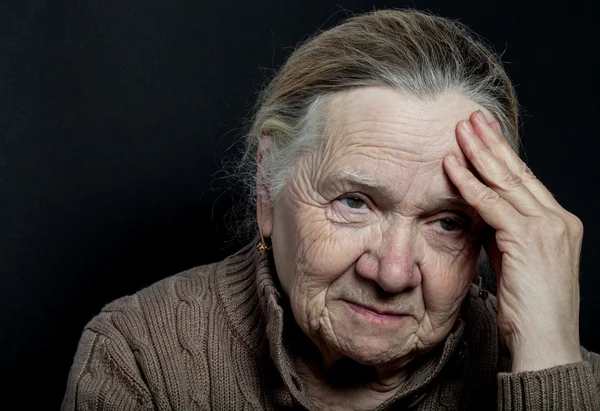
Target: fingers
(497, 127)
(494, 210)
(492, 137)
(498, 177)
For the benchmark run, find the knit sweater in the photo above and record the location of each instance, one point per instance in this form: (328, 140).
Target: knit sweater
(213, 338)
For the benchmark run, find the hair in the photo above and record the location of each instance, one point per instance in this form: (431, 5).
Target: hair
(408, 50)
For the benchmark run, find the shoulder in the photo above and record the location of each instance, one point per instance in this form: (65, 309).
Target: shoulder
(191, 298)
(122, 351)
(159, 346)
(130, 313)
(149, 345)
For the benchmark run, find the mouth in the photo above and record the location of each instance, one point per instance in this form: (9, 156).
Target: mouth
(375, 314)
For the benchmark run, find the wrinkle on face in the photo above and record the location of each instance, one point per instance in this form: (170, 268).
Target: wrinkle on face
(387, 147)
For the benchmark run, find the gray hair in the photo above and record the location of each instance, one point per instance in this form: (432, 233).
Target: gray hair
(412, 51)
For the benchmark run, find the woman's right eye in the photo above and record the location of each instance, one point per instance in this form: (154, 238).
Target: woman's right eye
(354, 202)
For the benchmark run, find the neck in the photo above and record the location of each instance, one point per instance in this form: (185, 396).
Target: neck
(347, 373)
(348, 385)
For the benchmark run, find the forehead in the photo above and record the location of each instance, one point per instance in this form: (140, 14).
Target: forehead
(392, 139)
(398, 119)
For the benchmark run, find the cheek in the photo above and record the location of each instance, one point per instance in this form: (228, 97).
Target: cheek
(310, 253)
(325, 253)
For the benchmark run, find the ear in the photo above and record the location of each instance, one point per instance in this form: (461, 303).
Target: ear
(482, 264)
(264, 205)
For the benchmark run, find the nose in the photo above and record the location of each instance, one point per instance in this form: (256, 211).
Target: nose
(391, 262)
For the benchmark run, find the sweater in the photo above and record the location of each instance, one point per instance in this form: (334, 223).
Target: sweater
(213, 338)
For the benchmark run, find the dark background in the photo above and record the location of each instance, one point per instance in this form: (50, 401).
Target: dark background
(115, 117)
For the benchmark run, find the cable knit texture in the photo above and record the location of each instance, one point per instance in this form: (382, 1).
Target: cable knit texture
(213, 338)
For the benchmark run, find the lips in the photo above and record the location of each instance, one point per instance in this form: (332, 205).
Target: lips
(367, 309)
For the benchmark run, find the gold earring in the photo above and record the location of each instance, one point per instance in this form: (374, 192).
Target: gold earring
(483, 293)
(262, 247)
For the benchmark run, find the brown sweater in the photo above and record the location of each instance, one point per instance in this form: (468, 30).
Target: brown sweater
(213, 338)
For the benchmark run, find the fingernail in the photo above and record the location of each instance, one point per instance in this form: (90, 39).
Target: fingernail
(452, 159)
(468, 128)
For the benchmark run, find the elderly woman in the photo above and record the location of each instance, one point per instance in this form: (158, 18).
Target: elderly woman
(384, 173)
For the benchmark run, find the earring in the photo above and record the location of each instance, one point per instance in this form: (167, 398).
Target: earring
(483, 293)
(262, 247)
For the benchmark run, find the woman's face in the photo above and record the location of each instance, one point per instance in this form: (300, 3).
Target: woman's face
(372, 243)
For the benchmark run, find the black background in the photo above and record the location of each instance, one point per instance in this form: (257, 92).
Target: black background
(115, 117)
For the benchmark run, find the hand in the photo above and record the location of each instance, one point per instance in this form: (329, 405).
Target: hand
(535, 250)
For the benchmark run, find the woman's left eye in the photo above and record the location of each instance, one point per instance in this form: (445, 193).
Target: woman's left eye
(354, 202)
(448, 224)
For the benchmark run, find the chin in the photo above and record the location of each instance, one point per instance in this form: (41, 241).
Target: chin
(375, 350)
(371, 341)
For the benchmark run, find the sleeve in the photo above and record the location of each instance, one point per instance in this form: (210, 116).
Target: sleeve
(566, 387)
(105, 375)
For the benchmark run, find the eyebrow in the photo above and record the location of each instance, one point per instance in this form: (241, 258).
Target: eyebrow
(358, 179)
(454, 200)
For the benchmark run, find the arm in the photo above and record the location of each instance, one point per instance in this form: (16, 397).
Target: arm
(104, 374)
(534, 245)
(574, 386)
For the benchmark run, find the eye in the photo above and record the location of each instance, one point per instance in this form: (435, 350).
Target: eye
(448, 224)
(354, 202)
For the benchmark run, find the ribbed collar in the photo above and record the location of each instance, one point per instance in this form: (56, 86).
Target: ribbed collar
(252, 298)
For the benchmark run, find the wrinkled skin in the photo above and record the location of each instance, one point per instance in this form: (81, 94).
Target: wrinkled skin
(361, 221)
(377, 233)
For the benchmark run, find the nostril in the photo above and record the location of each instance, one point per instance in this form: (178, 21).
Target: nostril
(382, 293)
